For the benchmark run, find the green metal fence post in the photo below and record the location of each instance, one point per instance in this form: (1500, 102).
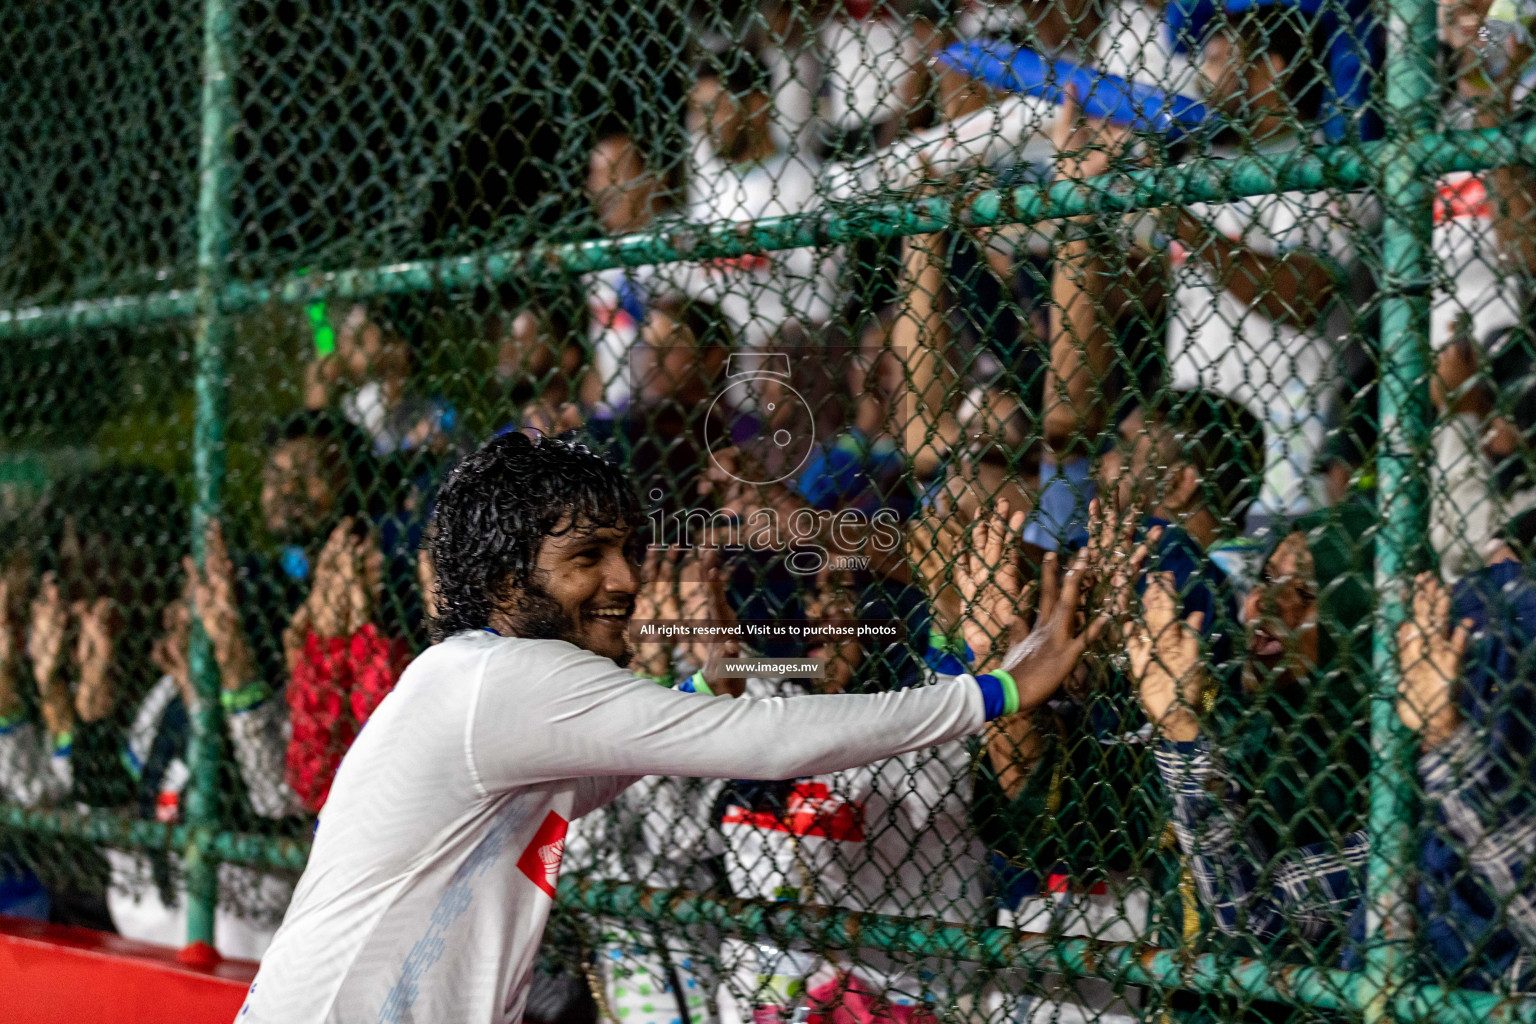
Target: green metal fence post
(1406, 195)
(212, 332)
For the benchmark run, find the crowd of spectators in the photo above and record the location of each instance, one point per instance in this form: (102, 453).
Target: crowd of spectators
(1018, 400)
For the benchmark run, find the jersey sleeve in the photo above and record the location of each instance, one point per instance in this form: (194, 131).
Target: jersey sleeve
(547, 710)
(599, 791)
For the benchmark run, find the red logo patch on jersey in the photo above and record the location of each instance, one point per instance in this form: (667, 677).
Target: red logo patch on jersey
(541, 861)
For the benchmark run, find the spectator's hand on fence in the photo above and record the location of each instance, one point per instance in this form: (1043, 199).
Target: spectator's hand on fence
(657, 600)
(169, 651)
(7, 637)
(543, 418)
(320, 377)
(1115, 560)
(1429, 655)
(726, 479)
(832, 602)
(9, 702)
(702, 593)
(1085, 146)
(10, 630)
(95, 645)
(45, 646)
(363, 573)
(1013, 747)
(931, 541)
(1453, 388)
(327, 611)
(213, 601)
(1165, 661)
(991, 583)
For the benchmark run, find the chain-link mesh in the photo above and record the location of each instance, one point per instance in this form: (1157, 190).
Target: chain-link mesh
(1196, 329)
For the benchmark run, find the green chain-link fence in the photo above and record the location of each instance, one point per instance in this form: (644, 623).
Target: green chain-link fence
(1258, 272)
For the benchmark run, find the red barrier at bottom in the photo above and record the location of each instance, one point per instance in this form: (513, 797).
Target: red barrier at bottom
(55, 975)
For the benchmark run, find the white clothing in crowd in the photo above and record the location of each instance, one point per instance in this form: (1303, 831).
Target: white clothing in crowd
(866, 60)
(34, 772)
(658, 832)
(1218, 342)
(892, 837)
(1132, 42)
(1467, 507)
(1480, 293)
(760, 292)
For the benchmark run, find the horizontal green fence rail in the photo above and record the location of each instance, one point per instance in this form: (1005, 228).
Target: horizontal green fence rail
(1201, 180)
(833, 928)
(1005, 948)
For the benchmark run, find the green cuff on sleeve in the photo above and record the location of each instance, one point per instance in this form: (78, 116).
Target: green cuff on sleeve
(250, 695)
(1010, 691)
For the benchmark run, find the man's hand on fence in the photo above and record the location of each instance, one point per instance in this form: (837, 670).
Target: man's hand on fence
(1429, 655)
(1047, 655)
(1165, 661)
(213, 600)
(95, 646)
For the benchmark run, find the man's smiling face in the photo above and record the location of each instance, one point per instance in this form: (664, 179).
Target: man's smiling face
(582, 590)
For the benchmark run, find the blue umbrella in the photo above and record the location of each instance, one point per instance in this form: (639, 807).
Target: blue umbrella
(1103, 95)
(1355, 50)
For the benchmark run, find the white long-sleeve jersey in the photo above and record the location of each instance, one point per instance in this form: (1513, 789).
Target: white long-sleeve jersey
(435, 860)
(892, 837)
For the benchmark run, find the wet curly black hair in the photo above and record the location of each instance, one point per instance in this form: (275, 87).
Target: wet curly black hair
(497, 507)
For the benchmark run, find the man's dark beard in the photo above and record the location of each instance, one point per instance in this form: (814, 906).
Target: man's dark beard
(538, 616)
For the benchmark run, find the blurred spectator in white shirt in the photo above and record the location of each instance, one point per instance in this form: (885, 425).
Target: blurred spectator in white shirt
(751, 177)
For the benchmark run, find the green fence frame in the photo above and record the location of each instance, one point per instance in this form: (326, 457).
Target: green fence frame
(1399, 169)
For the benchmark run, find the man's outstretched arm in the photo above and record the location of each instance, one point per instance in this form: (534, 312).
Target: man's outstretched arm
(548, 711)
(577, 714)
